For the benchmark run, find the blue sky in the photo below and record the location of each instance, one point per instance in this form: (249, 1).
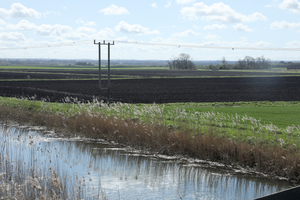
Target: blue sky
(264, 23)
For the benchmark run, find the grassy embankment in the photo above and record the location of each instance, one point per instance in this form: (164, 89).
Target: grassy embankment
(211, 131)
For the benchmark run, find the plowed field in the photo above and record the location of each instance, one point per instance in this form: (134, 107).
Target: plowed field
(163, 90)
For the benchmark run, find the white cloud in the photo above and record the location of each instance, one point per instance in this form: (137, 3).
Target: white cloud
(185, 34)
(293, 44)
(107, 32)
(126, 39)
(17, 10)
(12, 36)
(197, 27)
(169, 4)
(136, 28)
(51, 13)
(284, 24)
(241, 27)
(60, 32)
(273, 4)
(215, 26)
(90, 24)
(167, 41)
(114, 10)
(291, 5)
(237, 44)
(84, 29)
(185, 1)
(73, 36)
(243, 38)
(86, 23)
(2, 22)
(219, 12)
(54, 30)
(154, 5)
(23, 25)
(263, 44)
(211, 37)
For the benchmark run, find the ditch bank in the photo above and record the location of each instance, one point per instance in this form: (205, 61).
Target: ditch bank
(257, 159)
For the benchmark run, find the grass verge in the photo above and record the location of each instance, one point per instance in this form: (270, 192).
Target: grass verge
(232, 140)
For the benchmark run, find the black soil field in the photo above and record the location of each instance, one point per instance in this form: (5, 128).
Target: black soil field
(163, 90)
(140, 73)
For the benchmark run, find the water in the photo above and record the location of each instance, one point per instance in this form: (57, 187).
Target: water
(124, 175)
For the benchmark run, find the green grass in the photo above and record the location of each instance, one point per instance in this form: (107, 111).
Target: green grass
(133, 67)
(281, 114)
(265, 121)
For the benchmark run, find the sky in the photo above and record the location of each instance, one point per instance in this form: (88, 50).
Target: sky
(263, 23)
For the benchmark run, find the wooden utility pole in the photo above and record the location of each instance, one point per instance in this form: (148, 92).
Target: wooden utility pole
(108, 68)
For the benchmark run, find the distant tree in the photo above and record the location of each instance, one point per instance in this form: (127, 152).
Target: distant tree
(183, 61)
(224, 64)
(84, 64)
(80, 63)
(251, 63)
(213, 67)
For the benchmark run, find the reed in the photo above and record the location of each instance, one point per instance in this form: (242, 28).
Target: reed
(22, 179)
(209, 136)
(206, 144)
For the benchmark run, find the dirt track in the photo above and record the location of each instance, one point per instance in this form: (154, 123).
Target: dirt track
(163, 90)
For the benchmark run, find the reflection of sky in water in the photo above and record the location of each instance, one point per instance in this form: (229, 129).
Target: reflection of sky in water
(131, 176)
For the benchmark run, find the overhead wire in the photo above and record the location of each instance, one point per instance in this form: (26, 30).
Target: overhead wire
(83, 42)
(210, 47)
(181, 45)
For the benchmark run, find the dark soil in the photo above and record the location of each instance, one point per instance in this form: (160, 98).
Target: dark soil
(163, 90)
(84, 74)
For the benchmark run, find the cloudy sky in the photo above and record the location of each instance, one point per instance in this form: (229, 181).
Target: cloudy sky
(264, 23)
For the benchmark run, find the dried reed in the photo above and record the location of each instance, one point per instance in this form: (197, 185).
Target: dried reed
(207, 143)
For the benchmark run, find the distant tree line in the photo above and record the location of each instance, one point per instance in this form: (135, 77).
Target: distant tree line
(247, 63)
(183, 61)
(84, 64)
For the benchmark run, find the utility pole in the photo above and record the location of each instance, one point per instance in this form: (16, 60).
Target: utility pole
(108, 69)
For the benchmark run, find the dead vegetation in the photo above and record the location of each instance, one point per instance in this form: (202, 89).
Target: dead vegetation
(262, 157)
(21, 179)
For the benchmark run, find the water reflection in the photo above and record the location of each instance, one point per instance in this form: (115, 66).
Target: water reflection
(131, 176)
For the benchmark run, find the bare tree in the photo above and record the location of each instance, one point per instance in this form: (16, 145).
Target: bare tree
(183, 61)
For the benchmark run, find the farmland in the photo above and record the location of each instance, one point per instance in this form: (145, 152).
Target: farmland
(246, 109)
(144, 85)
(238, 92)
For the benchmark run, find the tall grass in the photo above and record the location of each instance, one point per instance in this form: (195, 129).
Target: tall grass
(21, 178)
(208, 136)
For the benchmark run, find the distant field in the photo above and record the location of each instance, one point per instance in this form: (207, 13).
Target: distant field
(125, 72)
(63, 67)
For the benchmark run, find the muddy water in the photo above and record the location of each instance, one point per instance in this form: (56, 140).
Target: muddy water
(124, 175)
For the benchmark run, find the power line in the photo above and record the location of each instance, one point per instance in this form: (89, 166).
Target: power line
(211, 47)
(85, 42)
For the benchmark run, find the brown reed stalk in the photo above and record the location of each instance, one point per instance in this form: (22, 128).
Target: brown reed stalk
(157, 138)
